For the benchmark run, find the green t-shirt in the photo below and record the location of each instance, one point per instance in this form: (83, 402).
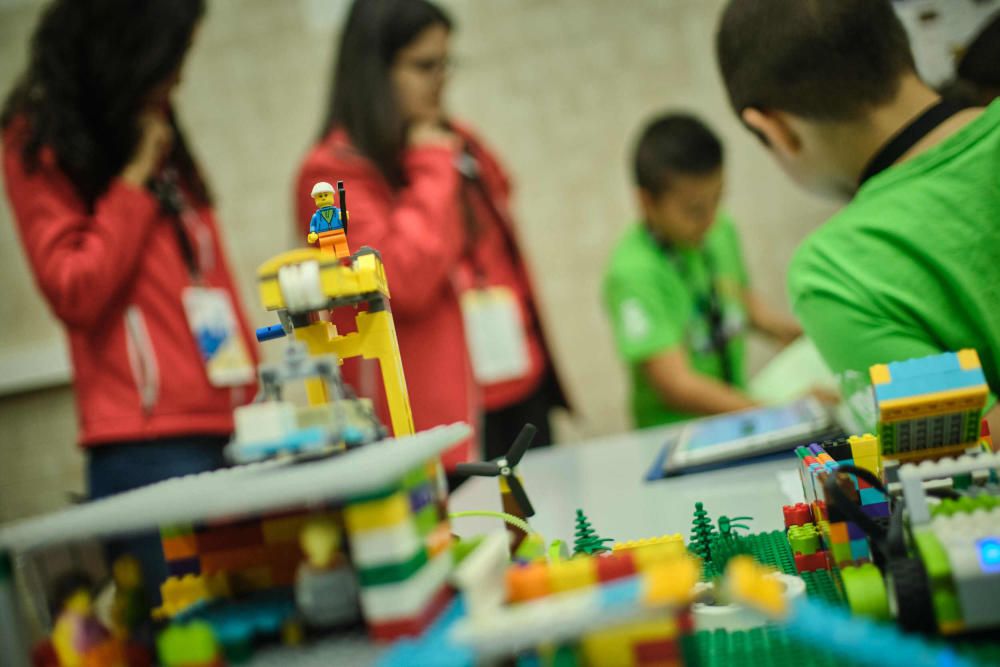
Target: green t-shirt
(911, 267)
(657, 300)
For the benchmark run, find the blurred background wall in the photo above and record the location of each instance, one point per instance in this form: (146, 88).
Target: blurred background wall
(557, 87)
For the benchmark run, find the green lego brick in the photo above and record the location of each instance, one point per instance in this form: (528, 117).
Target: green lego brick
(416, 477)
(426, 520)
(950, 506)
(391, 574)
(824, 585)
(803, 539)
(946, 606)
(933, 555)
(176, 530)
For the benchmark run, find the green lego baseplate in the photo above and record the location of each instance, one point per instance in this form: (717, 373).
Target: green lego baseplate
(771, 646)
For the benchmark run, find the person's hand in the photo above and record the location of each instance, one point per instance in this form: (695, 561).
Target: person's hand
(311, 238)
(431, 132)
(824, 395)
(156, 137)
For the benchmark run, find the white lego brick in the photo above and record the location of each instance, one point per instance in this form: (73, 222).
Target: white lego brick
(269, 421)
(482, 576)
(385, 546)
(237, 491)
(911, 477)
(977, 590)
(390, 602)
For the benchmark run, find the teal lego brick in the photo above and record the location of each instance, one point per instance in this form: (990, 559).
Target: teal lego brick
(871, 496)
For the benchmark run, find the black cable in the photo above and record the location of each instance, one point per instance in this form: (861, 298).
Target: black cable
(842, 503)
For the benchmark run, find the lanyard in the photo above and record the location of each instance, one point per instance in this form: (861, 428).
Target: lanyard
(907, 137)
(710, 304)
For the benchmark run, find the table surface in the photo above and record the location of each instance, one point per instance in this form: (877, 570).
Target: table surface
(606, 478)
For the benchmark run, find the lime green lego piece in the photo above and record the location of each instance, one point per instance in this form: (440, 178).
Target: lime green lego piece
(965, 504)
(416, 478)
(946, 606)
(865, 591)
(532, 547)
(933, 555)
(176, 530)
(426, 520)
(803, 539)
(394, 573)
(460, 548)
(191, 644)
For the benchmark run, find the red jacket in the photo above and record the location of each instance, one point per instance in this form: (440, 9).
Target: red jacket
(114, 278)
(420, 233)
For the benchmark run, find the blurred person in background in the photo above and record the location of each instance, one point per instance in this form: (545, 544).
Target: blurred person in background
(426, 192)
(977, 81)
(117, 225)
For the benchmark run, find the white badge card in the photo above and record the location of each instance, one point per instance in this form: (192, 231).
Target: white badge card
(494, 331)
(213, 324)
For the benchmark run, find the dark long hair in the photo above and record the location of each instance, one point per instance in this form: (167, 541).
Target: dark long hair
(362, 99)
(92, 67)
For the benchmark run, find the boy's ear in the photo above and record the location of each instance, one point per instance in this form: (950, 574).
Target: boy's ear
(646, 201)
(773, 129)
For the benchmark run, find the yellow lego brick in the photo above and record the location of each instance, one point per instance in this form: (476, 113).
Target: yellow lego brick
(931, 453)
(675, 541)
(373, 514)
(567, 575)
(880, 374)
(968, 359)
(872, 463)
(934, 404)
(616, 646)
(863, 445)
(656, 554)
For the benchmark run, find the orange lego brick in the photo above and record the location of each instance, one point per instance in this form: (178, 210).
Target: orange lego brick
(528, 582)
(181, 546)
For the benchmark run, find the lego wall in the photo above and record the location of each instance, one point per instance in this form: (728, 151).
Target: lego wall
(558, 88)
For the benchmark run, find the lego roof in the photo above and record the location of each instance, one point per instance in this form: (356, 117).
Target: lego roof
(238, 491)
(938, 373)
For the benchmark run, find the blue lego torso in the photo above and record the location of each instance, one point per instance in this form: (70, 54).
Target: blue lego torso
(326, 219)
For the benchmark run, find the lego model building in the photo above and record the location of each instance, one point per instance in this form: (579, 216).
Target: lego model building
(929, 407)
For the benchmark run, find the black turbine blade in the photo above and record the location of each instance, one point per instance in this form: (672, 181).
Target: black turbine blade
(520, 496)
(521, 444)
(478, 469)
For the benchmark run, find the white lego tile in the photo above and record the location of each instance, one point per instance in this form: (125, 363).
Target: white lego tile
(385, 546)
(482, 576)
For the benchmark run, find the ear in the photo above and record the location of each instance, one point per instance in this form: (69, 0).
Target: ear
(774, 129)
(646, 201)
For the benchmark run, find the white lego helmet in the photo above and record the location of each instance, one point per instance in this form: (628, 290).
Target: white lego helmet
(322, 186)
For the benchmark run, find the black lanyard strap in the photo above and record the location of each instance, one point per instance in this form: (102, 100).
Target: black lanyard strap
(710, 305)
(907, 137)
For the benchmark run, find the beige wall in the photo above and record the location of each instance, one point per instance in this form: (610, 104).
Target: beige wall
(557, 87)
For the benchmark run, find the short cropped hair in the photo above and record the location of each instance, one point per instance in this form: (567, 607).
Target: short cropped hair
(674, 144)
(825, 60)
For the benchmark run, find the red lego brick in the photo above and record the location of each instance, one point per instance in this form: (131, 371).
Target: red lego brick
(797, 514)
(655, 652)
(230, 536)
(811, 562)
(413, 626)
(615, 566)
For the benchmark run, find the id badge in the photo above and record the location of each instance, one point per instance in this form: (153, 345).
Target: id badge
(213, 324)
(494, 331)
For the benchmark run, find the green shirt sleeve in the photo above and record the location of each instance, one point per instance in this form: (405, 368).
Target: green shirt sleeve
(645, 310)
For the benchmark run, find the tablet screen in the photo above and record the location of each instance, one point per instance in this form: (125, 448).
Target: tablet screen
(738, 426)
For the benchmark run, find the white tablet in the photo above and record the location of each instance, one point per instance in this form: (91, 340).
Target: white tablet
(737, 435)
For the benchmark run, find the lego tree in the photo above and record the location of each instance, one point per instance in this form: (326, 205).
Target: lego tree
(587, 540)
(701, 534)
(729, 542)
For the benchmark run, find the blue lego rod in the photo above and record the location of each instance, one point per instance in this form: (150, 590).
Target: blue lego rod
(270, 333)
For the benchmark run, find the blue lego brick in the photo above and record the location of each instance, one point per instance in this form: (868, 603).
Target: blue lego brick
(182, 566)
(859, 549)
(854, 531)
(928, 375)
(871, 496)
(878, 510)
(420, 497)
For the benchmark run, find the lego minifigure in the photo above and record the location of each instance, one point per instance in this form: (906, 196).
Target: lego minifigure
(129, 607)
(326, 590)
(327, 226)
(77, 629)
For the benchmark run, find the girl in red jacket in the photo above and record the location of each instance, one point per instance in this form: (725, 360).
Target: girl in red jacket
(117, 226)
(434, 201)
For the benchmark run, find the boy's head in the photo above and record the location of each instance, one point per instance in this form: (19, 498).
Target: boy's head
(802, 73)
(678, 173)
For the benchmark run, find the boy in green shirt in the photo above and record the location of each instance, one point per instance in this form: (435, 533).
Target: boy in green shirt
(676, 289)
(911, 266)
